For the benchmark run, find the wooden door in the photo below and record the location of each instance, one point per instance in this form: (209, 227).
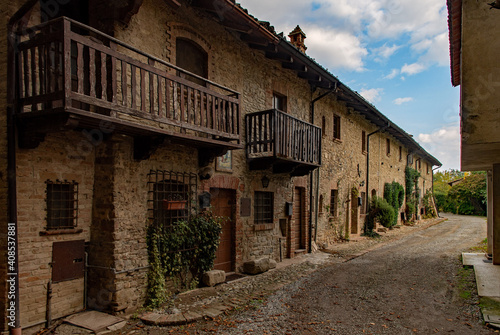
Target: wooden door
(223, 204)
(298, 219)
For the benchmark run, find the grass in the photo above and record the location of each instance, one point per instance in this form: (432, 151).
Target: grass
(464, 282)
(481, 247)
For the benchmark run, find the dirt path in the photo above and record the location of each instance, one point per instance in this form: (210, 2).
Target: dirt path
(406, 287)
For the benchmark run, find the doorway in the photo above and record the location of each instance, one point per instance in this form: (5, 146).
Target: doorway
(223, 204)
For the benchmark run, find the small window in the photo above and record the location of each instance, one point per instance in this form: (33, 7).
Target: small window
(363, 141)
(263, 207)
(400, 153)
(191, 57)
(323, 126)
(388, 146)
(333, 202)
(62, 204)
(336, 127)
(363, 199)
(279, 102)
(420, 164)
(427, 167)
(320, 209)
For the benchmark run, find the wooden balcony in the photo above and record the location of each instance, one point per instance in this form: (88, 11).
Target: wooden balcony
(283, 142)
(71, 76)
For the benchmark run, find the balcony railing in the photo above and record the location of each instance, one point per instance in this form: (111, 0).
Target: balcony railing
(65, 66)
(283, 141)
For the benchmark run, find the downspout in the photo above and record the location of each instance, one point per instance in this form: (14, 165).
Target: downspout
(368, 163)
(433, 196)
(311, 181)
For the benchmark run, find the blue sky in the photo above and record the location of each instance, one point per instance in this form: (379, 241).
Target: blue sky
(393, 52)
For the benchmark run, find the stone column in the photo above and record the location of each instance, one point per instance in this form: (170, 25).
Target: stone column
(490, 211)
(496, 214)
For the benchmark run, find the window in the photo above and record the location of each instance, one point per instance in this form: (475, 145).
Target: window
(62, 204)
(263, 207)
(279, 102)
(334, 196)
(363, 141)
(388, 147)
(191, 57)
(323, 126)
(400, 153)
(427, 167)
(336, 127)
(320, 209)
(169, 197)
(77, 10)
(363, 202)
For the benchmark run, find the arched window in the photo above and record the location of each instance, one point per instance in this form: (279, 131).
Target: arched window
(374, 193)
(191, 57)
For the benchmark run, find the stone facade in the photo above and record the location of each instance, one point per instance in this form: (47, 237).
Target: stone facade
(113, 189)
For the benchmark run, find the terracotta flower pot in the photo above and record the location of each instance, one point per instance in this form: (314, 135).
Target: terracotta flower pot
(170, 205)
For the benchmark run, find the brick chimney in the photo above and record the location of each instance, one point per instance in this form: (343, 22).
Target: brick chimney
(297, 38)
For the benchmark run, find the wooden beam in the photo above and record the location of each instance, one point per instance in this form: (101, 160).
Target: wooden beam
(295, 67)
(280, 56)
(269, 48)
(241, 28)
(250, 39)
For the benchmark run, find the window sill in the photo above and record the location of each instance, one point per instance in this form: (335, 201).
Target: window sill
(263, 226)
(60, 232)
(337, 140)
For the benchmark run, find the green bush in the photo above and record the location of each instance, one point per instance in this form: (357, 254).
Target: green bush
(379, 211)
(180, 253)
(394, 194)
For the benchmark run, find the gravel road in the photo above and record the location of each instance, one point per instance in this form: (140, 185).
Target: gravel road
(408, 286)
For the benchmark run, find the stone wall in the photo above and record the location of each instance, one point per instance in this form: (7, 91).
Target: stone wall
(55, 159)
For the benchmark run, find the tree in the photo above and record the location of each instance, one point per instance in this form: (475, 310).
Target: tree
(470, 196)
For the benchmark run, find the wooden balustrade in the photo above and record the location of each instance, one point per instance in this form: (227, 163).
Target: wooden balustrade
(276, 135)
(66, 65)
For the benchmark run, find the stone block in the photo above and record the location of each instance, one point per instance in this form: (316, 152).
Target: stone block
(272, 264)
(256, 266)
(214, 277)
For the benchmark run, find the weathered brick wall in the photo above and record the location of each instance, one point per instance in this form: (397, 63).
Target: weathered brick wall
(55, 159)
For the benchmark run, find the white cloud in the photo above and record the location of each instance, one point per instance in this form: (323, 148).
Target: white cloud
(444, 144)
(412, 68)
(335, 48)
(393, 74)
(400, 101)
(385, 51)
(372, 94)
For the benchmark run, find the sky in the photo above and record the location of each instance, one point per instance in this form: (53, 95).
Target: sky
(395, 53)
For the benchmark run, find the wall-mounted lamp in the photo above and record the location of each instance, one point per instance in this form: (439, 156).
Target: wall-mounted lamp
(495, 4)
(362, 183)
(265, 182)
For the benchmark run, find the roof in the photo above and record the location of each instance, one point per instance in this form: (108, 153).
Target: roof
(297, 31)
(455, 35)
(261, 35)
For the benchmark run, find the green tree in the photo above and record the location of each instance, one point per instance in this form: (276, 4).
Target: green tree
(469, 197)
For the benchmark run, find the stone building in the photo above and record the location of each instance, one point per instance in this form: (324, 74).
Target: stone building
(473, 51)
(115, 111)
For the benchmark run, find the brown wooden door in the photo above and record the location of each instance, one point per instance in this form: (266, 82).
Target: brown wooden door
(298, 219)
(223, 204)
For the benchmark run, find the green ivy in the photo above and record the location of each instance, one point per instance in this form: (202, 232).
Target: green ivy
(394, 194)
(180, 253)
(412, 191)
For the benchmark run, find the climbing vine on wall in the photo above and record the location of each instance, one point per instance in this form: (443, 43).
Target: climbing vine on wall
(412, 192)
(394, 194)
(180, 253)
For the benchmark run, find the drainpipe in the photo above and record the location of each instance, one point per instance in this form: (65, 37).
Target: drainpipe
(368, 163)
(311, 181)
(433, 196)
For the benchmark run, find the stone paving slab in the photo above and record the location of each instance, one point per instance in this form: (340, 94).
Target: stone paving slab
(487, 274)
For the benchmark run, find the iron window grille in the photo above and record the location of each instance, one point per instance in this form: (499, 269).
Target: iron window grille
(171, 197)
(263, 207)
(62, 204)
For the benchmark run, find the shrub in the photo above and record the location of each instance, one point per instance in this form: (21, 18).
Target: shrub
(394, 194)
(379, 211)
(180, 253)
